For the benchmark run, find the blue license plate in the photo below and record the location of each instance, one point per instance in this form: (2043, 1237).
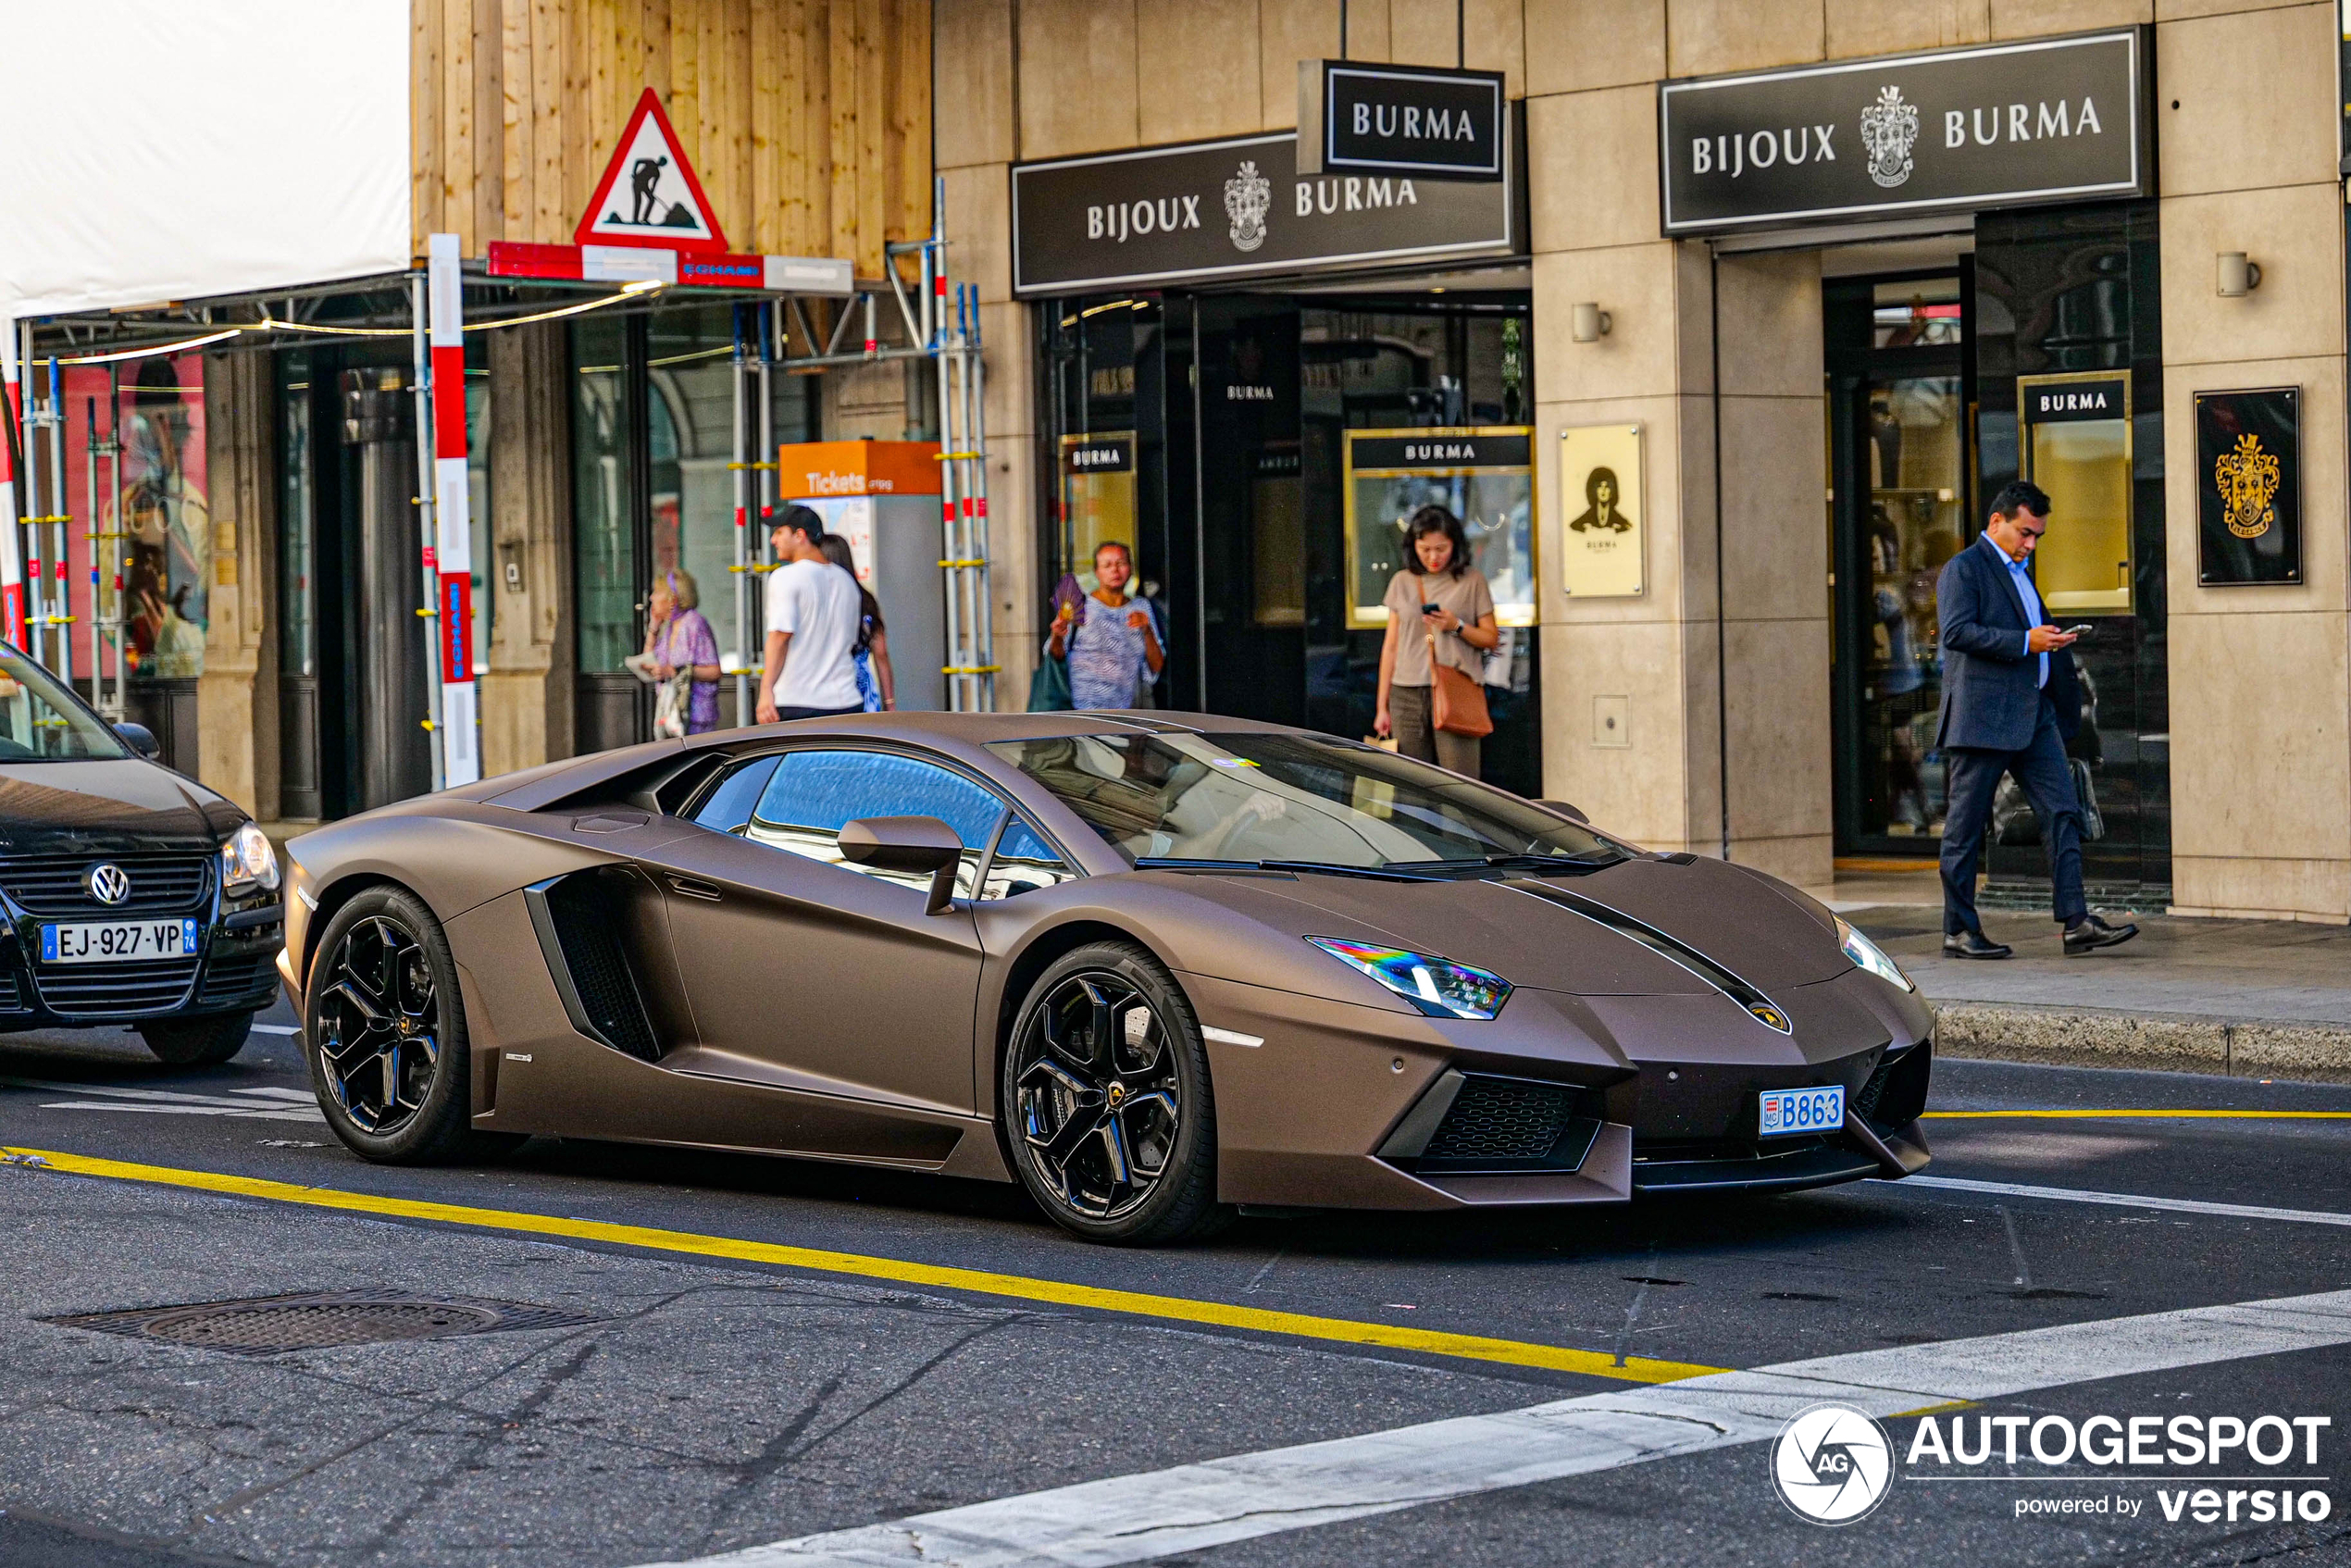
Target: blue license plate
(1788, 1111)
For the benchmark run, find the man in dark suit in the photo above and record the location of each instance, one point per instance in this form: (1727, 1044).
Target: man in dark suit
(2010, 701)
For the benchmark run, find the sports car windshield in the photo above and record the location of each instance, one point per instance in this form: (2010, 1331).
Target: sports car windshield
(1298, 800)
(40, 723)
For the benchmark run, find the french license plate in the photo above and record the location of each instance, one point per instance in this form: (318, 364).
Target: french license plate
(1802, 1110)
(117, 941)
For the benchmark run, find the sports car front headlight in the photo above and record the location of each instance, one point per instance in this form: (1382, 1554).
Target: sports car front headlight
(1867, 954)
(247, 863)
(1438, 987)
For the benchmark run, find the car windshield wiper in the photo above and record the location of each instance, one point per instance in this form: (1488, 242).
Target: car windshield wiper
(1387, 873)
(1514, 863)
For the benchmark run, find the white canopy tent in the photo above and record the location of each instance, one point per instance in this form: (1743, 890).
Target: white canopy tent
(167, 151)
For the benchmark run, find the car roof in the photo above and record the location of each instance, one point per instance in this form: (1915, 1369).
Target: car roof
(979, 729)
(961, 735)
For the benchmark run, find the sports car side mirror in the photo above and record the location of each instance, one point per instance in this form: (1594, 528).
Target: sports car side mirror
(1564, 810)
(907, 843)
(139, 738)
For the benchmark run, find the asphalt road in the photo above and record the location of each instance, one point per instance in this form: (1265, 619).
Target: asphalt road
(753, 1362)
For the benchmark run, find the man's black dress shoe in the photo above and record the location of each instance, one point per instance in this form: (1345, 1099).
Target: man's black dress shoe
(1975, 944)
(2092, 933)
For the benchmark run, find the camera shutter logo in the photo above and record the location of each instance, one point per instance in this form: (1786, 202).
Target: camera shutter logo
(1249, 196)
(1832, 1464)
(2247, 479)
(107, 882)
(1889, 129)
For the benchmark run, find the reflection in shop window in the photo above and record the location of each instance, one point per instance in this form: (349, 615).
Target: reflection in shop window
(604, 533)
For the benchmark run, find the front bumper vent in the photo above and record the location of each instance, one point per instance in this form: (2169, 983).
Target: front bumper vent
(1483, 1123)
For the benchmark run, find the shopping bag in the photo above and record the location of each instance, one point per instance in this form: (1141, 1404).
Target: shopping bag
(1048, 688)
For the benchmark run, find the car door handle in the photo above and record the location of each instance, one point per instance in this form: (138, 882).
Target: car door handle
(695, 889)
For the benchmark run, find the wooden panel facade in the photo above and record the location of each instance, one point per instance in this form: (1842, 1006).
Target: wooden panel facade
(808, 121)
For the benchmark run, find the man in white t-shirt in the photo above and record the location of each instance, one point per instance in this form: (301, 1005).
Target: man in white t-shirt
(812, 627)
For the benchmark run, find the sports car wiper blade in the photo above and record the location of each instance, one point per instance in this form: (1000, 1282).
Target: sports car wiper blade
(1322, 867)
(1511, 862)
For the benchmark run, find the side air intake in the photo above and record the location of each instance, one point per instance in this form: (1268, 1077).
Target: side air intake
(576, 918)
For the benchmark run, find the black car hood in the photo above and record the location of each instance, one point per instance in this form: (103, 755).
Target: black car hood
(112, 807)
(1763, 930)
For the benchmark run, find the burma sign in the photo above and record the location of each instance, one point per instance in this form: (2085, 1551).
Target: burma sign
(1233, 208)
(1416, 121)
(2009, 125)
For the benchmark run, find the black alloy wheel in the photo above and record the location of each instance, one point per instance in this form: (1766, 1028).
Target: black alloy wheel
(1106, 1100)
(386, 1031)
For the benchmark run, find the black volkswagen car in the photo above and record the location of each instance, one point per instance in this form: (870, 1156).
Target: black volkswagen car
(133, 895)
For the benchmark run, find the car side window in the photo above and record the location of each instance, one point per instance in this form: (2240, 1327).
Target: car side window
(1023, 862)
(729, 808)
(812, 794)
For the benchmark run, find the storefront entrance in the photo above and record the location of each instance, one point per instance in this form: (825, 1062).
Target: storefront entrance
(1898, 386)
(2028, 355)
(1235, 440)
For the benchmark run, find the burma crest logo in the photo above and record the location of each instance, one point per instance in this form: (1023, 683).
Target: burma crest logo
(1889, 129)
(1832, 1464)
(1249, 196)
(2247, 479)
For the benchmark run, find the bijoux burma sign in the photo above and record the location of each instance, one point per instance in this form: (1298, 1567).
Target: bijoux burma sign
(2004, 125)
(1233, 210)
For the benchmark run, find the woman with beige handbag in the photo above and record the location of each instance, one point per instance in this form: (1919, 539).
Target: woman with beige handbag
(1440, 624)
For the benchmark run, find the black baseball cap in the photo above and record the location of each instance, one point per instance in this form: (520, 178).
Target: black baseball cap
(807, 519)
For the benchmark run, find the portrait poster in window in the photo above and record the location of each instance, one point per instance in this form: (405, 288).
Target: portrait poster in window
(1604, 511)
(2248, 487)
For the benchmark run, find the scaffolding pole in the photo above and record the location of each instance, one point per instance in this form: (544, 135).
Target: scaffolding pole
(742, 570)
(962, 499)
(11, 535)
(60, 616)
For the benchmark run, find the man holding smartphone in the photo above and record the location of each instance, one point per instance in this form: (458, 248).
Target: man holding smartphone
(2010, 701)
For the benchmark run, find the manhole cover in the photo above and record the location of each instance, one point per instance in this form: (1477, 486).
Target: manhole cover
(268, 1325)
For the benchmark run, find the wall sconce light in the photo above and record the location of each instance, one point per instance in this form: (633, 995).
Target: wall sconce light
(1592, 323)
(2238, 276)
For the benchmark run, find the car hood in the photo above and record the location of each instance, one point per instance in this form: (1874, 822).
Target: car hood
(1527, 929)
(109, 807)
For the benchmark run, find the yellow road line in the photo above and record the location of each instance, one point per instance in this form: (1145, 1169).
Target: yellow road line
(2109, 1115)
(1471, 1347)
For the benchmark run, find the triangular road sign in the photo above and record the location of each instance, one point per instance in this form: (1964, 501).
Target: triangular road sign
(648, 195)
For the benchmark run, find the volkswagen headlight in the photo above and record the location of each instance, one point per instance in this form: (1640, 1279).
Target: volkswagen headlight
(248, 864)
(1867, 954)
(1438, 987)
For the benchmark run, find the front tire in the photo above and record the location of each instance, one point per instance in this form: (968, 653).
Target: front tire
(197, 1043)
(384, 1028)
(1105, 1100)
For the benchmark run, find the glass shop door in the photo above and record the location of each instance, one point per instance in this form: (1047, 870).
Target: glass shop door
(1898, 401)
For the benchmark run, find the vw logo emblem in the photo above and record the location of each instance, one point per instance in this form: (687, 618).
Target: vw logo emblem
(107, 882)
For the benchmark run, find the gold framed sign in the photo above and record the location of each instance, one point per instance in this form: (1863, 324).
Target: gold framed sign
(1482, 475)
(2248, 487)
(2074, 441)
(1604, 541)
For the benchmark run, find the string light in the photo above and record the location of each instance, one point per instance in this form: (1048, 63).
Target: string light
(270, 323)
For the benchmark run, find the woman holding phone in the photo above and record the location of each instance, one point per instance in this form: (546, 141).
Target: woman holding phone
(1445, 599)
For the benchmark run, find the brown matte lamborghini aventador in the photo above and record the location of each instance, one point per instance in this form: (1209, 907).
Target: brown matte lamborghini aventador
(1150, 965)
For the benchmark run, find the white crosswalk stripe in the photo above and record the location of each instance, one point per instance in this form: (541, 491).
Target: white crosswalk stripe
(1192, 1507)
(2124, 1200)
(261, 1105)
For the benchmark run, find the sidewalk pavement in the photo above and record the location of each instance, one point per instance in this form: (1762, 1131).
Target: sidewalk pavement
(2258, 999)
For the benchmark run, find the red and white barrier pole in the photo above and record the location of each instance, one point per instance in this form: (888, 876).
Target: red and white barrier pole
(459, 732)
(11, 543)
